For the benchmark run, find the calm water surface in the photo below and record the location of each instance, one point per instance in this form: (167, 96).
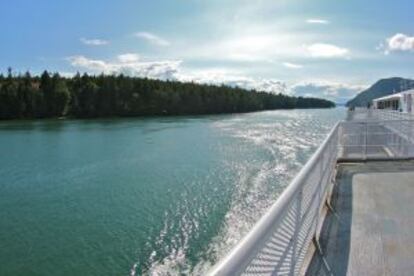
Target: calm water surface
(143, 196)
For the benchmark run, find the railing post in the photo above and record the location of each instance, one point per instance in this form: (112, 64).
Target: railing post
(318, 187)
(365, 140)
(410, 139)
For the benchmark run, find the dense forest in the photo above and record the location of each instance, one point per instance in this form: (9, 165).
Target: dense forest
(83, 96)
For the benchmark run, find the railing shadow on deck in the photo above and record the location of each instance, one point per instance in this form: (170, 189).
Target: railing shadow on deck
(335, 235)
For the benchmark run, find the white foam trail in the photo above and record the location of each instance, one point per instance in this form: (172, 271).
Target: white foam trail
(175, 263)
(288, 138)
(284, 139)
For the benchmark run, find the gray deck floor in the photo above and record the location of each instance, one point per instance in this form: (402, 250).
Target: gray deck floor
(371, 231)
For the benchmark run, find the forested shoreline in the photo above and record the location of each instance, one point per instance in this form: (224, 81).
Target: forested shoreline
(84, 96)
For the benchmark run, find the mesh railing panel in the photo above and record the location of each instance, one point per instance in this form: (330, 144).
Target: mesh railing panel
(284, 250)
(369, 114)
(280, 241)
(281, 248)
(388, 139)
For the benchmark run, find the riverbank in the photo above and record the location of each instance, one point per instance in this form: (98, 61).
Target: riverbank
(53, 96)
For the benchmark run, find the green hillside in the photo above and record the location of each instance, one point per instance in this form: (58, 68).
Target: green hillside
(381, 88)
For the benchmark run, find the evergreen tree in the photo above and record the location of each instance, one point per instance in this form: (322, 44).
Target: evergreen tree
(46, 87)
(25, 96)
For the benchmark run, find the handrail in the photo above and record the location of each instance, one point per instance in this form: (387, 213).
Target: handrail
(364, 114)
(241, 255)
(280, 240)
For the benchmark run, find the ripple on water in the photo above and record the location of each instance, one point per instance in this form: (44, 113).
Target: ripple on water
(266, 151)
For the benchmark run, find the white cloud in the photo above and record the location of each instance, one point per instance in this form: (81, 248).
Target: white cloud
(249, 48)
(398, 42)
(334, 91)
(89, 64)
(337, 92)
(233, 78)
(129, 64)
(255, 45)
(152, 38)
(94, 42)
(269, 85)
(317, 21)
(265, 47)
(322, 50)
(128, 58)
(292, 65)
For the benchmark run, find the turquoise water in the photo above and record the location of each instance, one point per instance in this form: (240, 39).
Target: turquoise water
(143, 196)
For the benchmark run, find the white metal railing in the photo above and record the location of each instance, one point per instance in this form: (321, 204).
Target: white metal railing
(281, 238)
(279, 242)
(388, 139)
(369, 114)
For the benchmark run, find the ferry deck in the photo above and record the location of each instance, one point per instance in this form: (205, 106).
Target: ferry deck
(349, 210)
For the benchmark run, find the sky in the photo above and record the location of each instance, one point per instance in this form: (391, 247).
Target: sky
(320, 48)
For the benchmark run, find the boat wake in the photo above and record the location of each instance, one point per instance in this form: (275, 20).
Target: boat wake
(271, 148)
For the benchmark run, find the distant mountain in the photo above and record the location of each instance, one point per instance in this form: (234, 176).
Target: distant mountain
(381, 88)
